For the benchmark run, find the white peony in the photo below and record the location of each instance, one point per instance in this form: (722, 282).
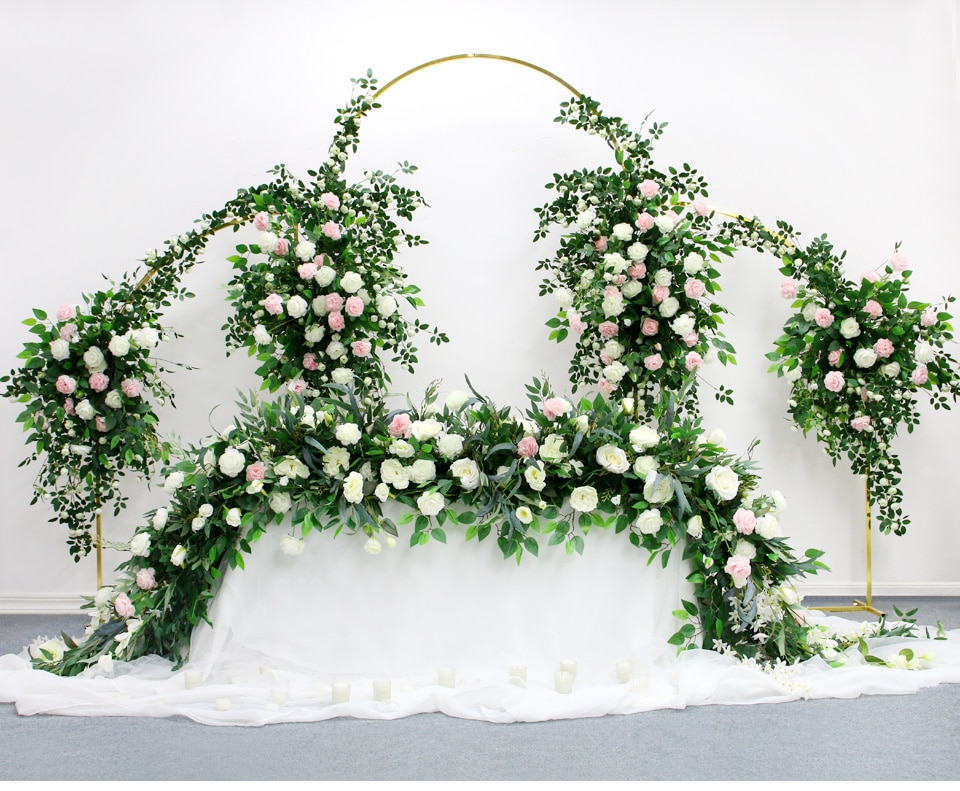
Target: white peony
(348, 434)
(424, 430)
(768, 526)
(643, 437)
(657, 491)
(280, 502)
(140, 545)
(849, 328)
(59, 349)
(351, 282)
(779, 502)
(467, 473)
(864, 357)
(637, 251)
(353, 487)
(583, 499)
(324, 276)
(623, 232)
(723, 481)
(649, 522)
(612, 458)
(119, 345)
(431, 503)
(296, 307)
(450, 445)
(669, 307)
(289, 545)
(231, 462)
(306, 250)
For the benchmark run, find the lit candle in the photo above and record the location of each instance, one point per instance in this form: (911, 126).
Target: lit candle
(563, 682)
(447, 677)
(341, 692)
(381, 689)
(193, 679)
(569, 666)
(518, 671)
(624, 672)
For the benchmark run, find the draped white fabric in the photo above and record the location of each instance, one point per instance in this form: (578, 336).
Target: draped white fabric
(288, 628)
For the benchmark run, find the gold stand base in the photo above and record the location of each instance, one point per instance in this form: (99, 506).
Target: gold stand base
(857, 606)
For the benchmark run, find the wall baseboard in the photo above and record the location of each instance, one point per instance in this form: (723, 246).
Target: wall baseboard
(41, 604)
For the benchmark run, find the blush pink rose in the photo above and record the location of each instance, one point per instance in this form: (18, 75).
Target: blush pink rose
(68, 331)
(256, 471)
(554, 407)
(619, 280)
(672, 216)
(789, 289)
(130, 387)
(282, 248)
(637, 271)
(700, 207)
(310, 361)
(605, 387)
(576, 323)
(860, 423)
(361, 348)
(870, 276)
(100, 424)
(650, 327)
(929, 317)
(307, 270)
(883, 348)
(691, 338)
(299, 386)
(68, 407)
(335, 321)
(354, 306)
(98, 382)
(608, 329)
(645, 221)
(873, 309)
(145, 580)
(330, 200)
(323, 260)
(605, 358)
(124, 606)
(834, 381)
(400, 425)
(653, 362)
(66, 384)
(823, 317)
(331, 230)
(694, 288)
(738, 567)
(899, 262)
(66, 312)
(273, 305)
(527, 447)
(660, 293)
(612, 292)
(600, 245)
(834, 357)
(745, 521)
(920, 375)
(262, 221)
(693, 361)
(334, 302)
(649, 188)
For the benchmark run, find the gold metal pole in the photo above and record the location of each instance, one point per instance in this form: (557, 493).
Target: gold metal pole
(99, 551)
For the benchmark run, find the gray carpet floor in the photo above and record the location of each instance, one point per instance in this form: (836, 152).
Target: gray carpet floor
(902, 737)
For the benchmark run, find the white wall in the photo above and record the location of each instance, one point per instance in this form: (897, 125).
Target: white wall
(123, 122)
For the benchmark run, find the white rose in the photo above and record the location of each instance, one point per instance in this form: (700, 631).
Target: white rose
(925, 353)
(421, 471)
(296, 307)
(745, 548)
(612, 458)
(614, 349)
(324, 276)
(335, 350)
(306, 250)
(450, 445)
(94, 360)
(657, 491)
(197, 523)
(768, 526)
(780, 502)
(788, 594)
(234, 517)
(695, 526)
(643, 437)
(386, 306)
(353, 487)
(173, 481)
(348, 434)
(268, 242)
(865, 357)
(351, 282)
(644, 465)
(103, 596)
(552, 449)
(631, 288)
(372, 546)
(59, 349)
(693, 263)
(524, 515)
(622, 231)
(564, 297)
(637, 251)
(614, 372)
(205, 510)
(649, 522)
(401, 448)
(335, 460)
(382, 492)
(119, 345)
(425, 430)
(140, 545)
(535, 476)
(261, 336)
(663, 277)
(160, 518)
(231, 462)
(146, 337)
(54, 648)
(280, 502)
(723, 481)
(583, 499)
(669, 307)
(615, 263)
(612, 306)
(809, 311)
(793, 374)
(467, 473)
(665, 224)
(289, 467)
(431, 503)
(342, 376)
(891, 369)
(456, 399)
(849, 328)
(113, 400)
(582, 423)
(683, 324)
(585, 218)
(291, 546)
(85, 410)
(178, 555)
(392, 472)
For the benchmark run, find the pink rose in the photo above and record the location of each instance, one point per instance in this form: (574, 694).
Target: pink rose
(823, 317)
(273, 305)
(745, 521)
(68, 407)
(650, 327)
(694, 288)
(691, 338)
(649, 188)
(282, 248)
(608, 329)
(66, 384)
(124, 606)
(354, 306)
(256, 471)
(619, 280)
(330, 200)
(336, 322)
(600, 245)
(870, 276)
(400, 425)
(130, 387)
(834, 381)
(308, 270)
(920, 375)
(100, 424)
(883, 348)
(605, 387)
(789, 289)
(738, 567)
(65, 312)
(68, 331)
(860, 423)
(576, 323)
(605, 358)
(693, 361)
(361, 348)
(262, 221)
(98, 382)
(929, 317)
(653, 362)
(299, 386)
(672, 216)
(145, 580)
(334, 302)
(660, 293)
(700, 207)
(310, 361)
(612, 292)
(645, 221)
(323, 260)
(331, 230)
(834, 357)
(637, 271)
(873, 309)
(554, 407)
(527, 447)
(899, 262)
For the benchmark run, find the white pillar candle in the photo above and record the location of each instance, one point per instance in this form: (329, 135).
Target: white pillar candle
(518, 671)
(381, 689)
(447, 677)
(624, 672)
(341, 692)
(193, 679)
(569, 666)
(563, 682)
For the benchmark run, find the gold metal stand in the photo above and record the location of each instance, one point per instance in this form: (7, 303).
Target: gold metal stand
(862, 606)
(99, 551)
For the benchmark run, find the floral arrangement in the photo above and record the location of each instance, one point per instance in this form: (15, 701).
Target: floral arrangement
(858, 353)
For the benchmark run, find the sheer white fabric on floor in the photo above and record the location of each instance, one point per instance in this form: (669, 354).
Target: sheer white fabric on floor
(450, 629)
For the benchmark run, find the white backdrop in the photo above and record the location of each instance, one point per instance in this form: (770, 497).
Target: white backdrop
(122, 123)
